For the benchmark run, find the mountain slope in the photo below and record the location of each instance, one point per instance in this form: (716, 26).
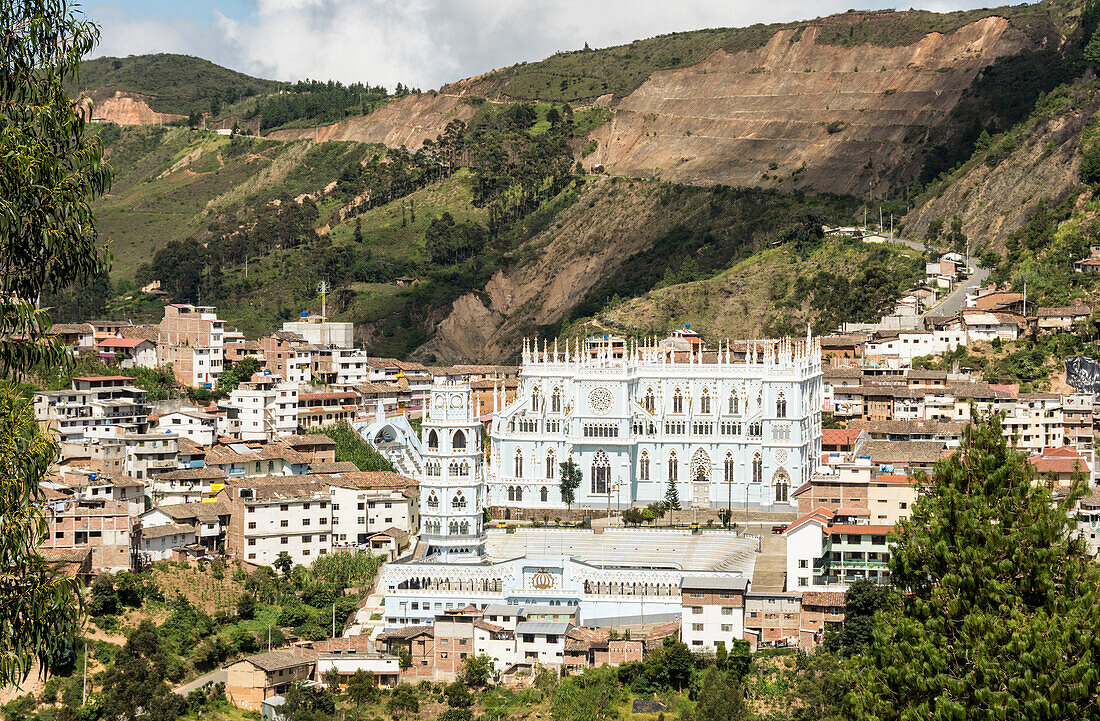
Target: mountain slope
(151, 89)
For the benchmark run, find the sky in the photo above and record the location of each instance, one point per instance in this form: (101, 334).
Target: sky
(421, 43)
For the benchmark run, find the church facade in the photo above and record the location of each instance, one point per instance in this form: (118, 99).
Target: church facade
(738, 426)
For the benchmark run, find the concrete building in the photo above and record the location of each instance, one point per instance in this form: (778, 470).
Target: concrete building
(347, 655)
(714, 611)
(271, 515)
(323, 408)
(251, 681)
(93, 403)
(192, 423)
(156, 543)
(128, 352)
(772, 619)
(208, 520)
(103, 527)
(824, 552)
(191, 339)
(822, 611)
(322, 332)
(366, 503)
(263, 408)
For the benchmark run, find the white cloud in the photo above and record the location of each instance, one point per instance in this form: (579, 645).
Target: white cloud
(426, 43)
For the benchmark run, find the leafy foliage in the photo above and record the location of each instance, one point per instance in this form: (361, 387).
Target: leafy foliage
(350, 447)
(318, 102)
(570, 480)
(988, 564)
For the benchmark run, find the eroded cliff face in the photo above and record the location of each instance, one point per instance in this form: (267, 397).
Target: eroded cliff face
(1045, 166)
(607, 224)
(848, 116)
(127, 109)
(407, 121)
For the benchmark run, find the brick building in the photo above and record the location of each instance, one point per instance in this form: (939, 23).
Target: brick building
(191, 339)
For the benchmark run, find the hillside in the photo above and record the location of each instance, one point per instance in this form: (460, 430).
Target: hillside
(151, 89)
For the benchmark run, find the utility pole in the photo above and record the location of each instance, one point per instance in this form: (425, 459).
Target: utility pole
(323, 288)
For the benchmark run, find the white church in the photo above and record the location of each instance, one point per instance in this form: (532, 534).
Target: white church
(739, 426)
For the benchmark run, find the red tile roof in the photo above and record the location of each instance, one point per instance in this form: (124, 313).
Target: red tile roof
(839, 436)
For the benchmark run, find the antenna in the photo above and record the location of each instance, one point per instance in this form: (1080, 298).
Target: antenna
(322, 288)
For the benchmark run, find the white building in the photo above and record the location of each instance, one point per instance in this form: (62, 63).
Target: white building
(361, 510)
(262, 409)
(93, 402)
(155, 543)
(190, 423)
(451, 482)
(714, 611)
(730, 424)
(900, 348)
(352, 367)
(620, 576)
(321, 332)
(270, 515)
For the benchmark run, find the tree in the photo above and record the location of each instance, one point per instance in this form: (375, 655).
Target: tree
(570, 482)
(283, 563)
(404, 658)
(403, 701)
(357, 236)
(738, 660)
(999, 613)
(477, 670)
(143, 640)
(458, 695)
(633, 516)
(51, 172)
(590, 696)
(720, 699)
(862, 601)
(246, 606)
(308, 703)
(672, 496)
(361, 689)
(104, 600)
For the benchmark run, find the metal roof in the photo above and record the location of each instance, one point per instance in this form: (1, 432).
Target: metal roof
(542, 627)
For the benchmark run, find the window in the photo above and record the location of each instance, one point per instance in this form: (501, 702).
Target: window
(781, 481)
(803, 581)
(459, 501)
(550, 465)
(555, 401)
(251, 525)
(307, 539)
(601, 473)
(518, 463)
(734, 404)
(284, 507)
(433, 500)
(727, 610)
(728, 468)
(284, 523)
(458, 441)
(727, 627)
(323, 538)
(252, 541)
(677, 402)
(803, 563)
(704, 402)
(696, 627)
(757, 468)
(696, 610)
(284, 540)
(543, 494)
(643, 467)
(650, 402)
(781, 406)
(673, 468)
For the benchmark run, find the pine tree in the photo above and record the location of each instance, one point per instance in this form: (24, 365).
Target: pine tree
(672, 496)
(999, 618)
(358, 234)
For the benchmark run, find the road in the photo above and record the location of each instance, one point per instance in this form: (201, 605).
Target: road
(953, 302)
(218, 676)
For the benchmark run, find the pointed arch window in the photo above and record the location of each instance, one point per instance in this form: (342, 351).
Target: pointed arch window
(543, 494)
(677, 402)
(452, 470)
(433, 500)
(781, 406)
(464, 528)
(519, 493)
(650, 402)
(728, 466)
(782, 483)
(464, 469)
(555, 401)
(511, 493)
(735, 404)
(453, 528)
(601, 473)
(550, 464)
(704, 402)
(643, 467)
(673, 467)
(458, 441)
(433, 440)
(459, 501)
(518, 463)
(757, 468)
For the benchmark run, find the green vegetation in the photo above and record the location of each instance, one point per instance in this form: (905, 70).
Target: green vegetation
(1018, 613)
(312, 102)
(178, 84)
(583, 75)
(350, 447)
